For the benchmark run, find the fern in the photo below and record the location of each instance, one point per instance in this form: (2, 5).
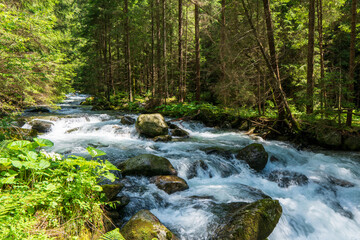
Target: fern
(113, 235)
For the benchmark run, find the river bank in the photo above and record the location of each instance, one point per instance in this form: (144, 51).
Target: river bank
(320, 207)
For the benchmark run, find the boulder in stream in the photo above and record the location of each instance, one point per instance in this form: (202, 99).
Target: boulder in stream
(254, 221)
(125, 120)
(151, 125)
(145, 225)
(162, 138)
(170, 184)
(147, 165)
(352, 142)
(286, 178)
(255, 156)
(328, 137)
(41, 126)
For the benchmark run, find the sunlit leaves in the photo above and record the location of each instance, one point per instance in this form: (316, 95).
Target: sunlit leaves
(95, 152)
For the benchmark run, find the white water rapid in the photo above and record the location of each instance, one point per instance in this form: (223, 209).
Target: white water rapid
(324, 206)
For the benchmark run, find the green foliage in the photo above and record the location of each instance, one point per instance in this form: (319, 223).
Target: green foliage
(43, 192)
(112, 235)
(34, 68)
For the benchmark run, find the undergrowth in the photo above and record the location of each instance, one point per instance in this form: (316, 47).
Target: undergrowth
(44, 195)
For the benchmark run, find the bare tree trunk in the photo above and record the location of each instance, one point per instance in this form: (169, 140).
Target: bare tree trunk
(321, 49)
(280, 94)
(185, 68)
(127, 46)
(352, 62)
(181, 84)
(152, 50)
(222, 41)
(158, 51)
(310, 59)
(166, 85)
(197, 52)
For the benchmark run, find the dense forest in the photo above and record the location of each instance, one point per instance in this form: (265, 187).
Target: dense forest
(298, 57)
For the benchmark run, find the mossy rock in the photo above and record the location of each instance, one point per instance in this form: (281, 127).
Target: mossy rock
(112, 190)
(254, 155)
(352, 142)
(151, 125)
(254, 221)
(147, 165)
(328, 137)
(162, 138)
(16, 133)
(178, 132)
(170, 184)
(146, 226)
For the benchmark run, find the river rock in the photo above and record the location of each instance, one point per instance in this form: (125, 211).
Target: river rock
(328, 137)
(72, 130)
(41, 126)
(178, 132)
(254, 221)
(127, 120)
(218, 151)
(151, 125)
(340, 182)
(162, 138)
(193, 170)
(170, 184)
(112, 190)
(145, 225)
(255, 156)
(39, 109)
(286, 178)
(352, 143)
(147, 165)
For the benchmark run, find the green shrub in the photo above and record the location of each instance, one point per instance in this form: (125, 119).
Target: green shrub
(45, 195)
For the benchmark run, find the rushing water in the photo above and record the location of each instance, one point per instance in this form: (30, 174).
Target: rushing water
(321, 209)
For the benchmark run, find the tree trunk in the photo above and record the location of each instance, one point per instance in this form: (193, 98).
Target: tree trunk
(351, 62)
(222, 41)
(197, 52)
(310, 59)
(166, 86)
(279, 93)
(321, 49)
(158, 51)
(127, 46)
(181, 94)
(152, 50)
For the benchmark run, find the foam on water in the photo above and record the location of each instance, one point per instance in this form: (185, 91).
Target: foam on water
(317, 210)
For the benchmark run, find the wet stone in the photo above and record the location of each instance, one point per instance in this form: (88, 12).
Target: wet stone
(286, 178)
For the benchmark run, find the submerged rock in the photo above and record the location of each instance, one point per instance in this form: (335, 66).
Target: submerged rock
(162, 138)
(41, 126)
(340, 182)
(147, 165)
(72, 130)
(178, 132)
(254, 221)
(145, 225)
(286, 178)
(219, 151)
(170, 184)
(193, 170)
(255, 156)
(151, 125)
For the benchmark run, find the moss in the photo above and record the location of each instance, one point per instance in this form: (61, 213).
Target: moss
(255, 221)
(145, 226)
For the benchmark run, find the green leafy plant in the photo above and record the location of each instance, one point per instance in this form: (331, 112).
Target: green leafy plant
(53, 195)
(113, 235)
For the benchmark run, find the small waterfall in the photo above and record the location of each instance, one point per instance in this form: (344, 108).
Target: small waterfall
(325, 206)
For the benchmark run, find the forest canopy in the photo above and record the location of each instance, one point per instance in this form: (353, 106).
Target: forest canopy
(296, 57)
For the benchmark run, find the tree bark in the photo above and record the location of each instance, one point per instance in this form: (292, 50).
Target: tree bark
(351, 62)
(166, 85)
(127, 46)
(197, 52)
(321, 50)
(310, 59)
(181, 84)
